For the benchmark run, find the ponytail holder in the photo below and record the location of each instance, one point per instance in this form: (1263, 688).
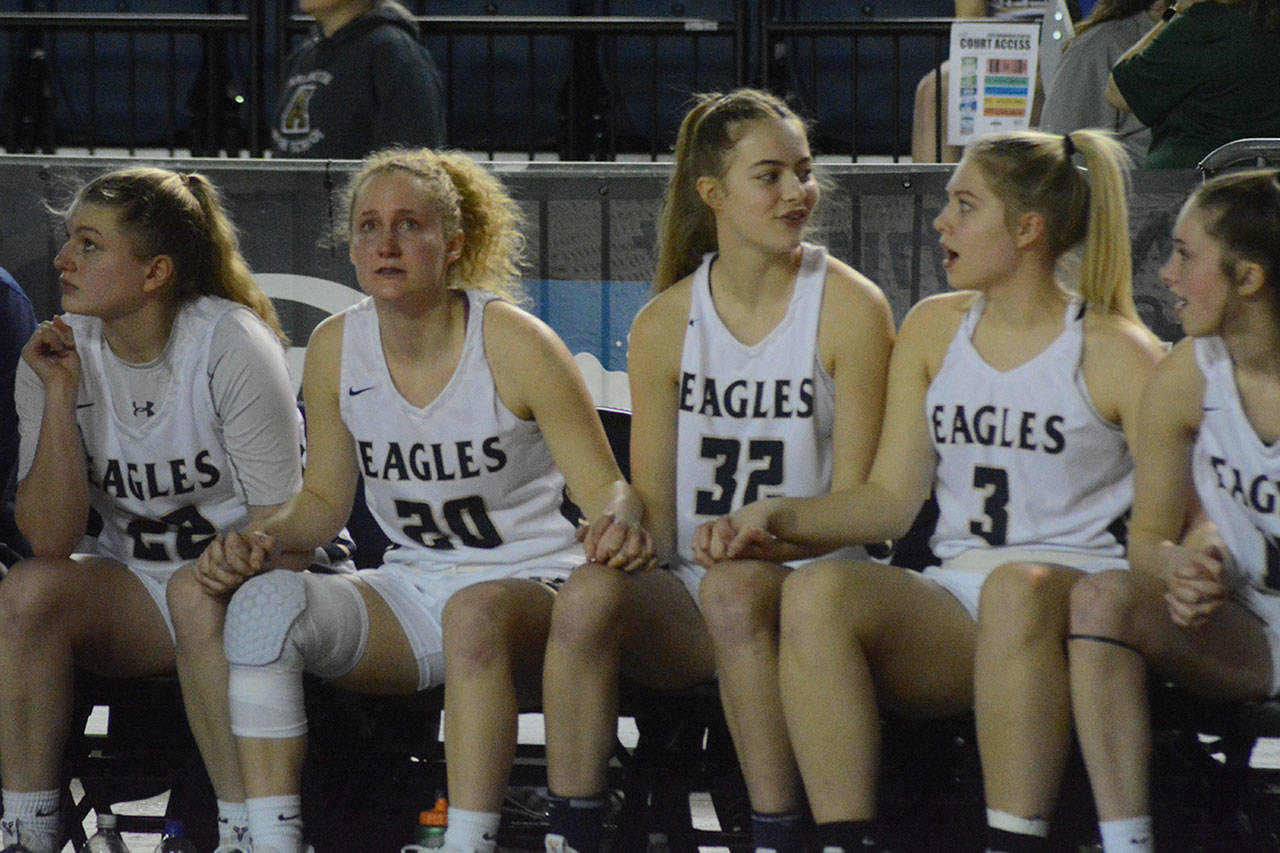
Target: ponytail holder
(1068, 147)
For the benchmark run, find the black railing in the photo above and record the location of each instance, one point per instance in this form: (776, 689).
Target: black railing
(37, 42)
(591, 116)
(569, 87)
(806, 57)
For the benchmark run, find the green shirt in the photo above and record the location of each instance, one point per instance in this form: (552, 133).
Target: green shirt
(1211, 76)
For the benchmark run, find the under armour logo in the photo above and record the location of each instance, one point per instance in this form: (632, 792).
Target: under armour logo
(149, 409)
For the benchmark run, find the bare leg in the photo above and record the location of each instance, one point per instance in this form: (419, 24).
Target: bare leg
(202, 672)
(854, 636)
(927, 131)
(55, 613)
(605, 622)
(1226, 659)
(494, 637)
(1021, 697)
(740, 602)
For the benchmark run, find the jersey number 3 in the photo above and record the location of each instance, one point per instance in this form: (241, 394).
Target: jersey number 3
(725, 453)
(994, 525)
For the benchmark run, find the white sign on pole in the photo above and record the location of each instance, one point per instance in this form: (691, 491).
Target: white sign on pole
(992, 80)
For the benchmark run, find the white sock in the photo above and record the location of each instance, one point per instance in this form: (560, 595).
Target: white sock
(1127, 835)
(233, 824)
(997, 819)
(39, 816)
(276, 822)
(472, 832)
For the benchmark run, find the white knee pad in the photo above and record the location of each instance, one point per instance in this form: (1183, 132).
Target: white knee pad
(279, 625)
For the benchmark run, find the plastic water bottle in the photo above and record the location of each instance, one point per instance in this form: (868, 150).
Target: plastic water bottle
(106, 839)
(175, 839)
(431, 826)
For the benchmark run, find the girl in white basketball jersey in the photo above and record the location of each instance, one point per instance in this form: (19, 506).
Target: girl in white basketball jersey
(160, 408)
(460, 412)
(1200, 604)
(1009, 398)
(758, 369)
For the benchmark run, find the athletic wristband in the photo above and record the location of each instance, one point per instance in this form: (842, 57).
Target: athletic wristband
(1168, 13)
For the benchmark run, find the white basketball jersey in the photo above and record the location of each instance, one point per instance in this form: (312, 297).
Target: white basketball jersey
(461, 481)
(753, 421)
(1237, 477)
(1024, 459)
(163, 486)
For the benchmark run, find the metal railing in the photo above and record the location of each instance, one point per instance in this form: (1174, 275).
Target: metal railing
(37, 41)
(602, 53)
(566, 87)
(806, 57)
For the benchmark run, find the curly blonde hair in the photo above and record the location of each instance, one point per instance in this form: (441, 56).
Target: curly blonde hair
(467, 197)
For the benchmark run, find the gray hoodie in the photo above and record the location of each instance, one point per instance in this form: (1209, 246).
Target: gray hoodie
(370, 85)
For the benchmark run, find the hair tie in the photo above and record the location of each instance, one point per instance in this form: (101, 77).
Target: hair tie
(1068, 147)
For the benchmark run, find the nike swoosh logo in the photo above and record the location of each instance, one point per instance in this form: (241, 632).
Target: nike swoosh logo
(490, 836)
(83, 405)
(354, 391)
(49, 813)
(284, 819)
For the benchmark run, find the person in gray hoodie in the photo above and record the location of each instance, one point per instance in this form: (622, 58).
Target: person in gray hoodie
(361, 82)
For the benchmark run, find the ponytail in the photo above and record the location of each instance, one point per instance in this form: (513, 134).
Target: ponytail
(467, 196)
(182, 216)
(715, 123)
(1034, 172)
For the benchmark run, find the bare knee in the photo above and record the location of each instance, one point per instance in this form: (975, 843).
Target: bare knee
(478, 624)
(197, 615)
(1025, 600)
(816, 603)
(34, 597)
(587, 610)
(741, 599)
(1108, 604)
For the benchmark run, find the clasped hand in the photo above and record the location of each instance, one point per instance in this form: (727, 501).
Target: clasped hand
(742, 535)
(232, 559)
(1198, 585)
(617, 544)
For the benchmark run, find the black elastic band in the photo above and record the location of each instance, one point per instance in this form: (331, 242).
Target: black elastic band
(1099, 638)
(1068, 146)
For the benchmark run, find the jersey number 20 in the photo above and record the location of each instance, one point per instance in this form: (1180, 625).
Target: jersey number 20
(466, 518)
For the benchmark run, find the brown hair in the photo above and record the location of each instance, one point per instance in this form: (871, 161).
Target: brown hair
(715, 123)
(1242, 213)
(181, 216)
(1111, 10)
